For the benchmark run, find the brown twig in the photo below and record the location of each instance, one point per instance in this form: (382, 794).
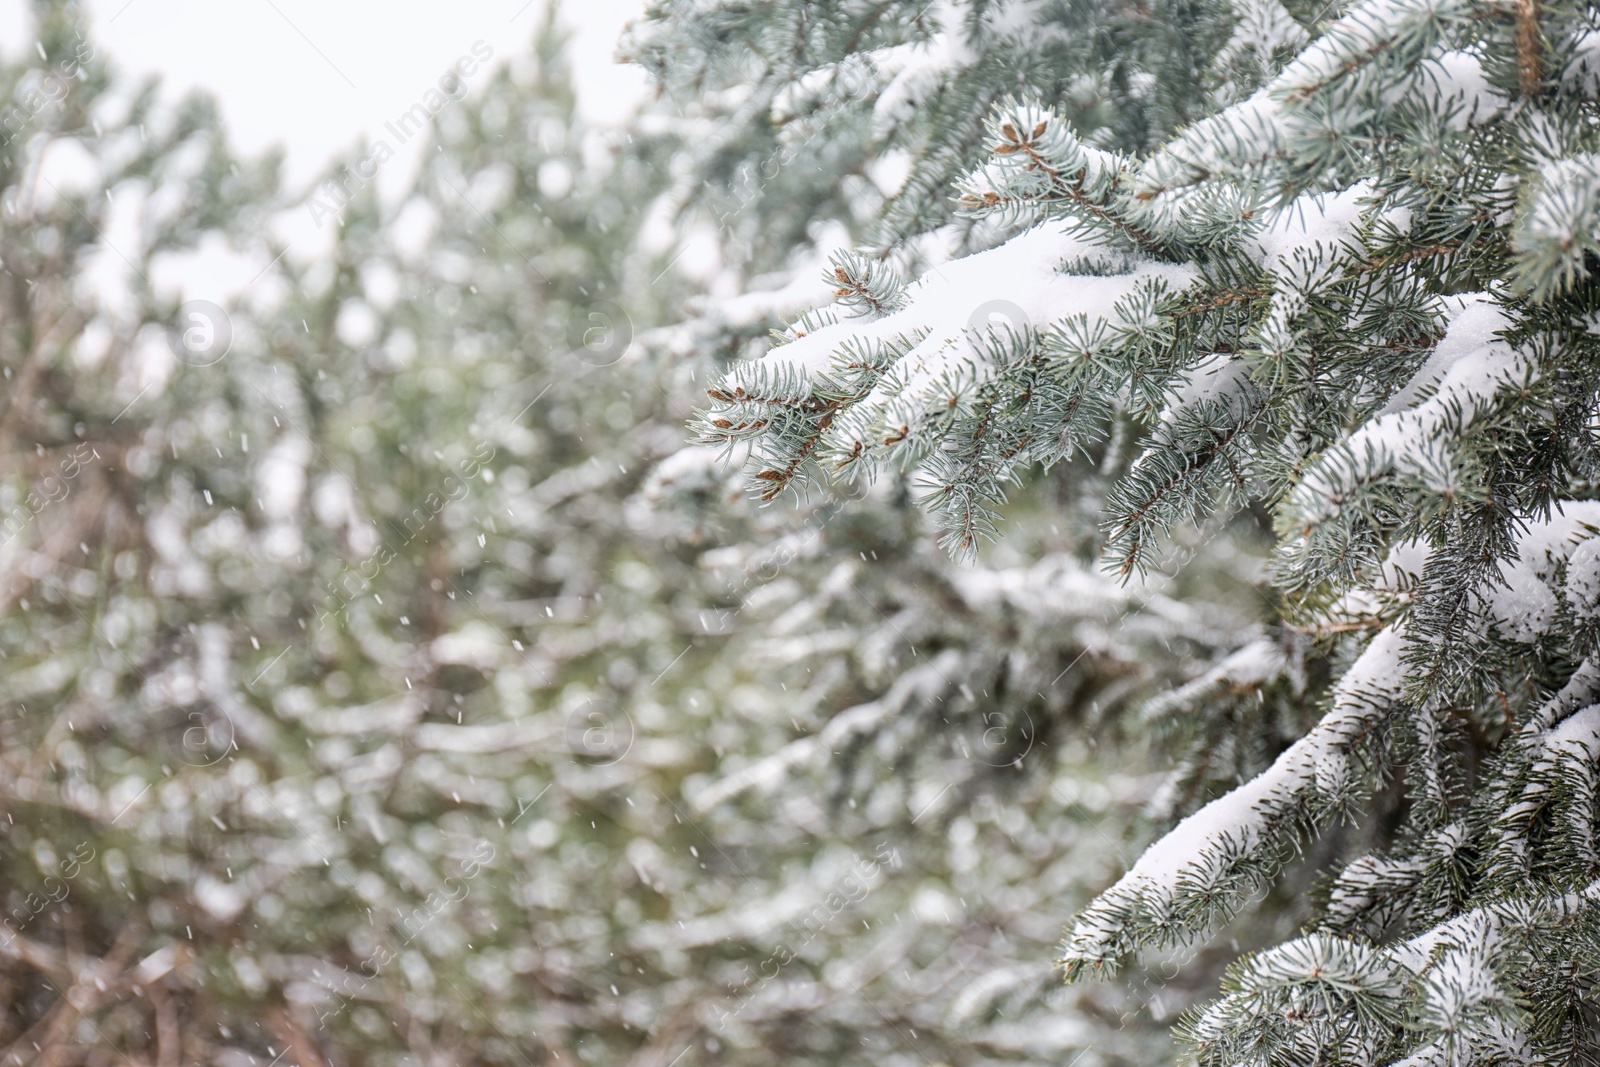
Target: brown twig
(1530, 58)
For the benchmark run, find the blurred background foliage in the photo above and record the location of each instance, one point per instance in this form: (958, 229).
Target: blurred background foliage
(399, 689)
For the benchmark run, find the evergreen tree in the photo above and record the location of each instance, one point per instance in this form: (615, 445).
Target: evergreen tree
(815, 129)
(1360, 295)
(316, 714)
(1012, 667)
(953, 718)
(442, 678)
(387, 684)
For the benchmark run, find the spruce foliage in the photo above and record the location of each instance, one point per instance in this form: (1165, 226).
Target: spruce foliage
(1359, 293)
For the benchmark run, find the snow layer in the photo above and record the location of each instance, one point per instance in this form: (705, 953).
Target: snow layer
(1582, 72)
(1353, 43)
(1527, 605)
(1015, 288)
(919, 70)
(1469, 367)
(1023, 273)
(1196, 851)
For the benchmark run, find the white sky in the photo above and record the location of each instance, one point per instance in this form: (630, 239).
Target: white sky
(313, 75)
